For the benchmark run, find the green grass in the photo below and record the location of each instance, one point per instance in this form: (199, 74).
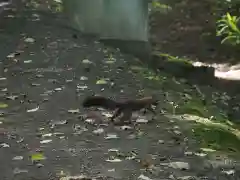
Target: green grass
(206, 121)
(172, 58)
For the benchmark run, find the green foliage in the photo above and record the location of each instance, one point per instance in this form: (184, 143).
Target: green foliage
(217, 137)
(156, 6)
(227, 27)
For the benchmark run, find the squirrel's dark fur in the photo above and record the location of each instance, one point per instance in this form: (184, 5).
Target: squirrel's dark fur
(125, 107)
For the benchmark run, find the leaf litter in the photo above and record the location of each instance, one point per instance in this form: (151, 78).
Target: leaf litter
(33, 110)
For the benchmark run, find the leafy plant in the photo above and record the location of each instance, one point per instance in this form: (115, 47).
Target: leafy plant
(227, 27)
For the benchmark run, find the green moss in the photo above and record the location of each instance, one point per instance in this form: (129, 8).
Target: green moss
(160, 7)
(171, 58)
(214, 137)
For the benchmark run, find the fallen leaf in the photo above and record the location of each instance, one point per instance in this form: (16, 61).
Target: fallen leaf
(98, 131)
(178, 165)
(35, 84)
(47, 135)
(90, 121)
(141, 120)
(19, 171)
(142, 177)
(81, 87)
(11, 97)
(58, 89)
(59, 122)
(114, 160)
(229, 172)
(3, 78)
(46, 141)
(111, 136)
(79, 129)
(111, 170)
(18, 158)
(188, 153)
(113, 150)
(2, 105)
(125, 127)
(12, 55)
(29, 40)
(69, 80)
(20, 140)
(58, 134)
(177, 132)
(39, 165)
(201, 154)
(73, 111)
(86, 61)
(101, 81)
(186, 178)
(33, 110)
(161, 141)
(27, 61)
(106, 114)
(81, 177)
(4, 90)
(4, 145)
(37, 157)
(208, 150)
(83, 78)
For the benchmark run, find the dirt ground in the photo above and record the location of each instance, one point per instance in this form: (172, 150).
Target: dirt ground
(188, 30)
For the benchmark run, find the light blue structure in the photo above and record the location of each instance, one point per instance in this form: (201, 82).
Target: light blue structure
(110, 19)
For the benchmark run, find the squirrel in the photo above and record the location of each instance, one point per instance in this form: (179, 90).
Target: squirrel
(126, 107)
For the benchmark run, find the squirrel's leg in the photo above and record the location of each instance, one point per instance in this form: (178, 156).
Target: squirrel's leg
(116, 114)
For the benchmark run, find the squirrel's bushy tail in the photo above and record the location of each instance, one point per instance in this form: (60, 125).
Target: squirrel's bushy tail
(99, 101)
